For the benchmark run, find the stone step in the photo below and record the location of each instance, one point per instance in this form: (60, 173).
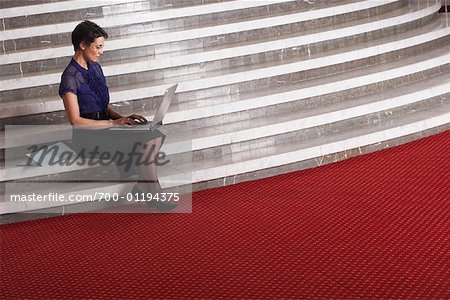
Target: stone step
(306, 133)
(134, 91)
(381, 44)
(240, 166)
(232, 57)
(276, 124)
(38, 14)
(285, 122)
(370, 81)
(56, 13)
(21, 65)
(223, 110)
(216, 35)
(144, 22)
(272, 76)
(301, 102)
(268, 157)
(18, 4)
(345, 55)
(401, 69)
(21, 8)
(261, 94)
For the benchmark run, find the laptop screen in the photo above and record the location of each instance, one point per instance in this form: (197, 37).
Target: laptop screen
(164, 105)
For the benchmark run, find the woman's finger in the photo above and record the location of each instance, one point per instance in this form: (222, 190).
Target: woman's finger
(129, 121)
(140, 118)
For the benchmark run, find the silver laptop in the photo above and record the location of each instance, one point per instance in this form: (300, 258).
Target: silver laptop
(161, 111)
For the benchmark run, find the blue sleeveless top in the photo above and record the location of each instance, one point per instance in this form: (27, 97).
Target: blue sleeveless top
(89, 86)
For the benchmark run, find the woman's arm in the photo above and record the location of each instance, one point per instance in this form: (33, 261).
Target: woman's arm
(73, 113)
(112, 114)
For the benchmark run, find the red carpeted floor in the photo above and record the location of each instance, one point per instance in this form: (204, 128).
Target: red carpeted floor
(374, 226)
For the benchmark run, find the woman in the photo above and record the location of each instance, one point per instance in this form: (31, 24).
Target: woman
(85, 94)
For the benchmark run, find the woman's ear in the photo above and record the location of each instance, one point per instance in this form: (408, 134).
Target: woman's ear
(82, 45)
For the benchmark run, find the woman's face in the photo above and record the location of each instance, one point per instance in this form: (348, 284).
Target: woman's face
(93, 51)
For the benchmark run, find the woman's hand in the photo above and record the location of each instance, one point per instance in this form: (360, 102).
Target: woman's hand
(124, 121)
(138, 119)
(114, 115)
(130, 120)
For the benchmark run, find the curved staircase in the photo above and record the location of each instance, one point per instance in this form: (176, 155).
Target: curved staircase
(265, 87)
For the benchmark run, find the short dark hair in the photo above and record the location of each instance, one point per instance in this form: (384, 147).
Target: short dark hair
(86, 32)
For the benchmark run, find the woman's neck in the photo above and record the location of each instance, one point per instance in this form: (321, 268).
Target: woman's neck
(78, 57)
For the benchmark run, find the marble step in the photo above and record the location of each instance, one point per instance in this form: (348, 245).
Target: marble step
(236, 167)
(295, 116)
(142, 22)
(268, 157)
(18, 94)
(43, 65)
(193, 110)
(19, 8)
(281, 131)
(17, 4)
(235, 57)
(273, 126)
(28, 15)
(274, 76)
(55, 13)
(211, 35)
(212, 85)
(316, 95)
(175, 63)
(357, 82)
(201, 111)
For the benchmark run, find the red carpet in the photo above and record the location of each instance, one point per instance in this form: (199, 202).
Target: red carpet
(374, 226)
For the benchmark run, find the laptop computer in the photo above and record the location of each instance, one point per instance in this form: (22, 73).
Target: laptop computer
(161, 111)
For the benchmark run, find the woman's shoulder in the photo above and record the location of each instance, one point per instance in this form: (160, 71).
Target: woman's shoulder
(70, 70)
